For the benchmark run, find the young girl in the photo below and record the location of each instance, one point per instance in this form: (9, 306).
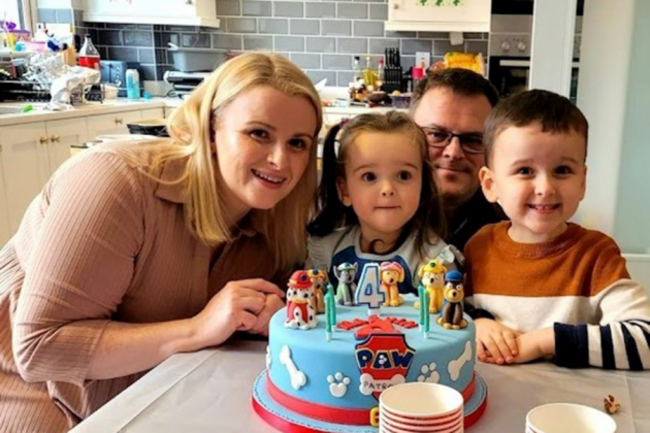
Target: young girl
(378, 200)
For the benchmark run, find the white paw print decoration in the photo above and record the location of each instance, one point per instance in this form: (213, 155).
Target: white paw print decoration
(338, 384)
(382, 359)
(429, 373)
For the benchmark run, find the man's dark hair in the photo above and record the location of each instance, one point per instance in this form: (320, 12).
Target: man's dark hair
(554, 112)
(460, 81)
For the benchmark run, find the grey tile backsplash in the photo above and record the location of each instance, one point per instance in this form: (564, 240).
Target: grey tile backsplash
(322, 37)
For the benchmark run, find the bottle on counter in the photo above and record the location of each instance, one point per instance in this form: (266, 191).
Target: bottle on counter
(132, 84)
(357, 69)
(88, 55)
(380, 74)
(369, 75)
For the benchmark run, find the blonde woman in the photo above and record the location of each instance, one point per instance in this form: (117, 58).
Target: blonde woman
(135, 252)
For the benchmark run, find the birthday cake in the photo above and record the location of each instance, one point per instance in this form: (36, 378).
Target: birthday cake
(326, 375)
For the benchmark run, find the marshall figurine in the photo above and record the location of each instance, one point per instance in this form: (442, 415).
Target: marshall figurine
(452, 312)
(300, 312)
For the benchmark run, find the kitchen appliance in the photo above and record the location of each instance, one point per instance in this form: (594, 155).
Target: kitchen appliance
(509, 61)
(114, 72)
(184, 83)
(522, 7)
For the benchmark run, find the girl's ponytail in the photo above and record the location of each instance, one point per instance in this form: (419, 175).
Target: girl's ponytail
(329, 208)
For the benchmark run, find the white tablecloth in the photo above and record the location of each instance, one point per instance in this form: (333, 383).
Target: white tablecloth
(210, 391)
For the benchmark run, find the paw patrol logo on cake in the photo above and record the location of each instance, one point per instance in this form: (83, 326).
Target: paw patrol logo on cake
(384, 361)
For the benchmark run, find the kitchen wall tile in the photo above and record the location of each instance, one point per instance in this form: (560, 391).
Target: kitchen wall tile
(339, 27)
(368, 28)
(146, 55)
(476, 47)
(138, 38)
(241, 25)
(440, 48)
(344, 78)
(128, 54)
(337, 61)
(307, 61)
(352, 10)
(228, 42)
(378, 12)
(353, 45)
(321, 45)
(229, 7)
(317, 76)
(289, 43)
(252, 42)
(378, 46)
(320, 10)
(288, 9)
(411, 46)
(304, 27)
(276, 26)
(256, 8)
(195, 40)
(109, 37)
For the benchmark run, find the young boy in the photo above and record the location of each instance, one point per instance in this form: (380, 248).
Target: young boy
(553, 287)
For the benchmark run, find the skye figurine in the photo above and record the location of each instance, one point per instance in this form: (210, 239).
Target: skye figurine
(391, 273)
(452, 312)
(300, 312)
(345, 273)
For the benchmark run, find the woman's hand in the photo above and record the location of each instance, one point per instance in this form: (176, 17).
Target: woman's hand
(272, 304)
(495, 343)
(240, 306)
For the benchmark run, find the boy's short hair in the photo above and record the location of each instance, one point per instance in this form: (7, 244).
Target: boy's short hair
(554, 112)
(460, 81)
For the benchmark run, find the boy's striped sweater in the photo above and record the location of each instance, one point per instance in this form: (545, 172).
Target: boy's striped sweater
(576, 283)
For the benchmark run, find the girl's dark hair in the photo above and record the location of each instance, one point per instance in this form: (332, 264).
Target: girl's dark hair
(428, 221)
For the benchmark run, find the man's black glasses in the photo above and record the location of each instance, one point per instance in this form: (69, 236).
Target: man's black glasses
(439, 138)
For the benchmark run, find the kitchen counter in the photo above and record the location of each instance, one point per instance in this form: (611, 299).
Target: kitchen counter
(39, 114)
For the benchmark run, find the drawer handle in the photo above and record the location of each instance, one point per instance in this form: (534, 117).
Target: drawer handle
(119, 120)
(55, 138)
(43, 140)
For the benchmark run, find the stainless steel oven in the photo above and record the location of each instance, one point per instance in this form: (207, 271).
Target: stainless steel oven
(510, 75)
(509, 55)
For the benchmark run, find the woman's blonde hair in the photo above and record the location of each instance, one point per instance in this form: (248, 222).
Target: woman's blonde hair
(192, 127)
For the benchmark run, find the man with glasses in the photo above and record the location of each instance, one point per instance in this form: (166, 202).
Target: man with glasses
(451, 107)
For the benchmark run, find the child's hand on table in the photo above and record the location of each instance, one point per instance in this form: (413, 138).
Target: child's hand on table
(535, 344)
(495, 343)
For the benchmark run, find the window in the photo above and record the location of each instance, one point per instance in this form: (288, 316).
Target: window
(18, 11)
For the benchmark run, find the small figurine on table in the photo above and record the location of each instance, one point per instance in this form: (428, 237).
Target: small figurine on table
(391, 273)
(318, 280)
(346, 289)
(432, 277)
(452, 312)
(300, 313)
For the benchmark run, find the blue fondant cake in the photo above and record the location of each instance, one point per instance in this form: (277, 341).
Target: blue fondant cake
(340, 380)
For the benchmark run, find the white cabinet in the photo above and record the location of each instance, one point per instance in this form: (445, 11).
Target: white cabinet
(62, 135)
(5, 229)
(439, 15)
(112, 124)
(25, 164)
(153, 113)
(175, 12)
